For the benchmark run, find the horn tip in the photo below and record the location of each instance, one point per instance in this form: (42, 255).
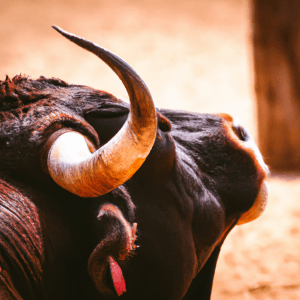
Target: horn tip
(57, 29)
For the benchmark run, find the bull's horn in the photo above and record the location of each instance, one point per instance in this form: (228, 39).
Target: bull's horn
(75, 168)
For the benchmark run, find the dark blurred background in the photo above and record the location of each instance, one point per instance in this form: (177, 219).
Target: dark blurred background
(193, 55)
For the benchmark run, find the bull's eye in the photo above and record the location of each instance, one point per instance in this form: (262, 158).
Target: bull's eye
(241, 133)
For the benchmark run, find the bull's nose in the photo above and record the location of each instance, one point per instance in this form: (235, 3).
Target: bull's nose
(239, 131)
(226, 117)
(247, 142)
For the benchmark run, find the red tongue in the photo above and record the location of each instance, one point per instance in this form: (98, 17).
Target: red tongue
(117, 276)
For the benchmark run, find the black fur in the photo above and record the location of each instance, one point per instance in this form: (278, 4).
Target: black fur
(186, 197)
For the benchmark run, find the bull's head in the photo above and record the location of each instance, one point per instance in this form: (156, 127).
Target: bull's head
(197, 175)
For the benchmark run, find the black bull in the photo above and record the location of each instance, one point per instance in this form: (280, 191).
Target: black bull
(158, 236)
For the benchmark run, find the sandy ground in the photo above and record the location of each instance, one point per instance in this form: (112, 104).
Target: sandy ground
(194, 55)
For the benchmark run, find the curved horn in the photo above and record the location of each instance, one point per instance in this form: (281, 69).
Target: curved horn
(75, 168)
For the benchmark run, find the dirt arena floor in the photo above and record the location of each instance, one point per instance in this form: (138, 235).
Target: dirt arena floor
(194, 55)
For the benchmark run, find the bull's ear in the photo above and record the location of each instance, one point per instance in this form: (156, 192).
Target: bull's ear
(116, 246)
(163, 123)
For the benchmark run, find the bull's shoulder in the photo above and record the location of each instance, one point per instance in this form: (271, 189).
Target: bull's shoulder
(21, 245)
